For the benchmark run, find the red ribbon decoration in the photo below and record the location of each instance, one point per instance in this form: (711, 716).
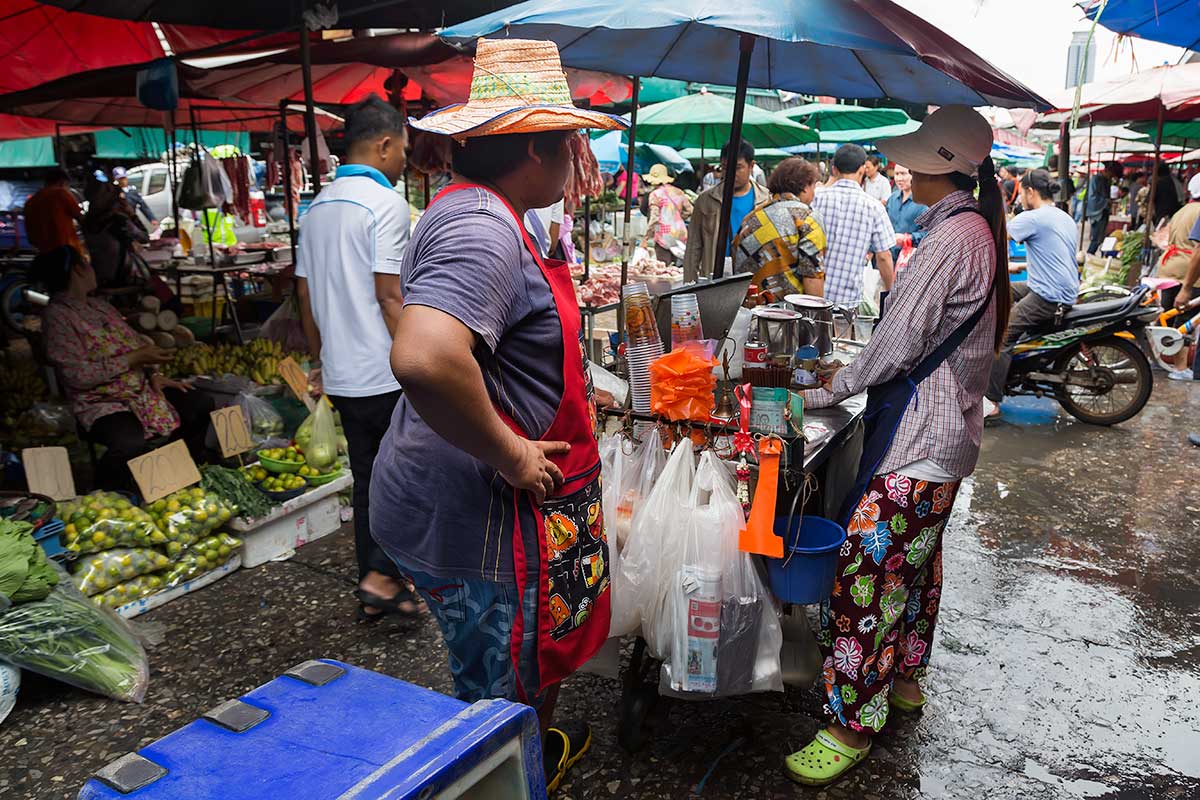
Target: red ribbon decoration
(743, 442)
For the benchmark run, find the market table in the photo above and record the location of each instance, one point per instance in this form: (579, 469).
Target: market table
(292, 524)
(176, 270)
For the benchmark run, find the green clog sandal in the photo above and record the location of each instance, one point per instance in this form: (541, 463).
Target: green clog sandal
(823, 761)
(904, 705)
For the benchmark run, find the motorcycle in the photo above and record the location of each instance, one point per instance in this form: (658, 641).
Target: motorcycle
(1094, 362)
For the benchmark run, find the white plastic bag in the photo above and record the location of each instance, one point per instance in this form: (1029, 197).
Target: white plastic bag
(725, 630)
(629, 475)
(10, 682)
(653, 550)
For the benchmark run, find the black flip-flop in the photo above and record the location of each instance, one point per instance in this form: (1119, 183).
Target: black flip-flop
(387, 605)
(562, 746)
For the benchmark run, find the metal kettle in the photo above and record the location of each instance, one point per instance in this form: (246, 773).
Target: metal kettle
(816, 321)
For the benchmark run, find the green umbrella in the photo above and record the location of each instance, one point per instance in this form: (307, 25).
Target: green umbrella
(760, 154)
(1182, 133)
(704, 120)
(861, 135)
(829, 117)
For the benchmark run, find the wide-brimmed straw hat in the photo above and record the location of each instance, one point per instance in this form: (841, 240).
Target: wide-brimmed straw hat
(518, 87)
(658, 175)
(951, 139)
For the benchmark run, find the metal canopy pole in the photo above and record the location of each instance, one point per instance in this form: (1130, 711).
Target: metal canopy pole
(1088, 196)
(625, 237)
(287, 180)
(735, 137)
(310, 114)
(1148, 248)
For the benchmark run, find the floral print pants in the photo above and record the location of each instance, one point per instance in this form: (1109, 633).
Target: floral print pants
(880, 616)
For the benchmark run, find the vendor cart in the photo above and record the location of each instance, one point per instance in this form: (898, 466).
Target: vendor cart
(827, 464)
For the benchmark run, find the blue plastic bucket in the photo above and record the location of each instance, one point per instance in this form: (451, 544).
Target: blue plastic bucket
(809, 574)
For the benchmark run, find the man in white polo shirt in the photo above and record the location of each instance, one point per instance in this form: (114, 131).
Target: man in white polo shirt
(352, 242)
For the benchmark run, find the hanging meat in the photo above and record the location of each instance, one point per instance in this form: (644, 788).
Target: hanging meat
(238, 170)
(583, 177)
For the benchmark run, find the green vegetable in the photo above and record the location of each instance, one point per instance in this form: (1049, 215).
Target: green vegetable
(64, 636)
(233, 487)
(25, 573)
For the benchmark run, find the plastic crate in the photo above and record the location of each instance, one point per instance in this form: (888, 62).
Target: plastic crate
(48, 537)
(328, 730)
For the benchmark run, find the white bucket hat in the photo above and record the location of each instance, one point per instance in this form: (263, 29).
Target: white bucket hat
(951, 139)
(1194, 187)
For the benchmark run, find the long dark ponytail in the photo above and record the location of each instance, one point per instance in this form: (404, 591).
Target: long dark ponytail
(991, 206)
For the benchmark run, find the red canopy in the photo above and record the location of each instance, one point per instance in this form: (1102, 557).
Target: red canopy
(40, 43)
(14, 127)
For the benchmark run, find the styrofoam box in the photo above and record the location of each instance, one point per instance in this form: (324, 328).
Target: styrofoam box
(293, 524)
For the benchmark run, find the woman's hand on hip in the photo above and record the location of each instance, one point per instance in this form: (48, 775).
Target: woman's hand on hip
(530, 468)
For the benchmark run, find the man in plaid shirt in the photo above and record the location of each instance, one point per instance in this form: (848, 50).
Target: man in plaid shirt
(857, 225)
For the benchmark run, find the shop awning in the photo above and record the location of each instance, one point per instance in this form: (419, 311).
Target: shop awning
(133, 144)
(36, 152)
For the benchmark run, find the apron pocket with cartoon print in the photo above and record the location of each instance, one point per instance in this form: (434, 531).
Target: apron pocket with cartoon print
(576, 555)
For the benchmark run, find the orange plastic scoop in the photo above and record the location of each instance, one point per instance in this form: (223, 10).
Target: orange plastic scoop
(759, 534)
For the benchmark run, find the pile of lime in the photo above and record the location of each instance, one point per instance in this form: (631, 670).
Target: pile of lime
(104, 520)
(313, 472)
(290, 455)
(283, 483)
(187, 515)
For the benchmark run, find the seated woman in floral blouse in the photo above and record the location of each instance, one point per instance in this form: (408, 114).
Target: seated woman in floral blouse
(107, 368)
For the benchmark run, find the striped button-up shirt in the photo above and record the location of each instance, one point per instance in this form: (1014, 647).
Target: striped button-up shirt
(855, 224)
(948, 278)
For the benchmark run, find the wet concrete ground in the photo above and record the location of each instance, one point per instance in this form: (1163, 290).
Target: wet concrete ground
(1066, 664)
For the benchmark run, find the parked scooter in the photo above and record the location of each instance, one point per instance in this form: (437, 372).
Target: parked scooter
(1094, 363)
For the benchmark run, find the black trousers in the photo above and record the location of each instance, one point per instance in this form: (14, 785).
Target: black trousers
(124, 438)
(1099, 229)
(1030, 312)
(365, 420)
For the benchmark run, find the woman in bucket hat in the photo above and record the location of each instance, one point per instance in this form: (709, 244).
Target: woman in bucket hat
(925, 371)
(670, 209)
(486, 488)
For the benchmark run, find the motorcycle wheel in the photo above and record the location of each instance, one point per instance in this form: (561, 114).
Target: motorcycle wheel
(1114, 357)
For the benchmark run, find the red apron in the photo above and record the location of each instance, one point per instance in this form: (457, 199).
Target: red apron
(572, 548)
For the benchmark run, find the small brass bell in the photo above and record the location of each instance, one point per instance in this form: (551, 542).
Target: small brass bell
(725, 410)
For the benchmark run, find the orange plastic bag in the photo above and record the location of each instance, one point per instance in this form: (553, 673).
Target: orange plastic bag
(682, 383)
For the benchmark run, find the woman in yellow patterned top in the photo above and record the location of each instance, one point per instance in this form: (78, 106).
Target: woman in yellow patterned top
(782, 240)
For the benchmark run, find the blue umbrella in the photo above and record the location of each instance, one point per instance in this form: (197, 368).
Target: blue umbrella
(844, 48)
(1171, 22)
(611, 152)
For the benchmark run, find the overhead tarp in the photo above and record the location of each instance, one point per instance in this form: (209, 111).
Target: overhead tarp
(611, 153)
(149, 143)
(37, 152)
(14, 127)
(272, 15)
(39, 42)
(1174, 132)
(1174, 22)
(1135, 98)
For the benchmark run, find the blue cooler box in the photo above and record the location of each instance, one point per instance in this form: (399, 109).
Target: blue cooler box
(327, 730)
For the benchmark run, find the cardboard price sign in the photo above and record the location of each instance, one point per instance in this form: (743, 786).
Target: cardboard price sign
(232, 432)
(297, 380)
(165, 470)
(48, 472)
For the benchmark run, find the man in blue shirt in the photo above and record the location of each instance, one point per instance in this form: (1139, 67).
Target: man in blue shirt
(1098, 202)
(1053, 285)
(706, 214)
(903, 211)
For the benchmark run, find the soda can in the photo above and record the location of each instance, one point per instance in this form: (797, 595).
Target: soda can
(755, 353)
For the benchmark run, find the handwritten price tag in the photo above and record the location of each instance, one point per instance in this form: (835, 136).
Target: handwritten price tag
(48, 472)
(297, 380)
(232, 432)
(165, 470)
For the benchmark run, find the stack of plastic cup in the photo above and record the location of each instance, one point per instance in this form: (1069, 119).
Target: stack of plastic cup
(644, 344)
(685, 319)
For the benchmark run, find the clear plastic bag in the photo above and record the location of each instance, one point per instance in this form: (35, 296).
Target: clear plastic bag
(725, 631)
(630, 475)
(205, 555)
(264, 421)
(321, 449)
(104, 520)
(130, 590)
(68, 638)
(188, 515)
(652, 553)
(103, 571)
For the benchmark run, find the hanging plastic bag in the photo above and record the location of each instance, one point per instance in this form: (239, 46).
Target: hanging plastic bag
(652, 551)
(68, 638)
(204, 185)
(321, 451)
(265, 422)
(731, 646)
(629, 474)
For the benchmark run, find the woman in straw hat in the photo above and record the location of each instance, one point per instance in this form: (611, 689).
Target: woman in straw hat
(486, 488)
(925, 371)
(670, 209)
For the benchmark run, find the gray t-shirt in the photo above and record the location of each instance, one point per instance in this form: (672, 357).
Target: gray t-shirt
(434, 507)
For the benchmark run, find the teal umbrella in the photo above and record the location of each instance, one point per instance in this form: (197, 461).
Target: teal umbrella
(760, 154)
(867, 135)
(827, 117)
(1182, 133)
(703, 120)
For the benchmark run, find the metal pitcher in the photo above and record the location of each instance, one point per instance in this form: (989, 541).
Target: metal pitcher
(816, 327)
(779, 329)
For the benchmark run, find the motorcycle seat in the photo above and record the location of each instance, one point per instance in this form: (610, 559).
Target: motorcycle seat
(1097, 310)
